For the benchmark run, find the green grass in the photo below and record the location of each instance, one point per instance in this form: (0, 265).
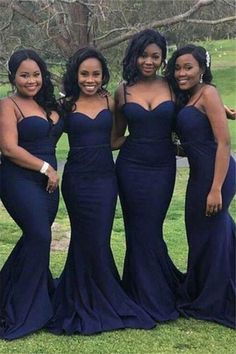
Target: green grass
(181, 336)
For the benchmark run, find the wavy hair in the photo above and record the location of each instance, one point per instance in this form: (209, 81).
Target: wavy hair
(45, 97)
(70, 79)
(200, 55)
(135, 49)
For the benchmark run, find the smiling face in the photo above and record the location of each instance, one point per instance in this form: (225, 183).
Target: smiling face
(28, 79)
(90, 76)
(187, 72)
(150, 61)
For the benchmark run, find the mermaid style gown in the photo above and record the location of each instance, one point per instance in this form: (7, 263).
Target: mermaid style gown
(208, 292)
(26, 283)
(146, 167)
(89, 298)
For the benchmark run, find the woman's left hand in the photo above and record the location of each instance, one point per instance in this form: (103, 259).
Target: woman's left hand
(214, 202)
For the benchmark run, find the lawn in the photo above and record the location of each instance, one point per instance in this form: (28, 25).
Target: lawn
(181, 336)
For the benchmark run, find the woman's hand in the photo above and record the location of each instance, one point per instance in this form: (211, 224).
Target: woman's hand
(214, 202)
(53, 179)
(230, 112)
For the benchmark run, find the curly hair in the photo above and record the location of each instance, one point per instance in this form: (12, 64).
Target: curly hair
(70, 79)
(45, 97)
(135, 49)
(200, 55)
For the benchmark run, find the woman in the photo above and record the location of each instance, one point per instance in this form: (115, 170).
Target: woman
(89, 298)
(146, 167)
(29, 129)
(208, 292)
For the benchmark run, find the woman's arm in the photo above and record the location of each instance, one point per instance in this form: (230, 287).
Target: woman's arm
(119, 122)
(215, 111)
(10, 148)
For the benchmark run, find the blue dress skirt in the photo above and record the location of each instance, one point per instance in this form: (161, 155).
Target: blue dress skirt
(26, 284)
(89, 298)
(146, 167)
(208, 292)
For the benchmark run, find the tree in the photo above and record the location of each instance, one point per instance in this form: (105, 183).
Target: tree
(58, 27)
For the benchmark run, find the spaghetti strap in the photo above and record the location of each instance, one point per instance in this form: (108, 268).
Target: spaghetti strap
(107, 99)
(197, 99)
(171, 92)
(17, 107)
(124, 86)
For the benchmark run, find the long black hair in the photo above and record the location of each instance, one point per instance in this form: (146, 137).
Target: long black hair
(45, 97)
(135, 49)
(201, 56)
(70, 79)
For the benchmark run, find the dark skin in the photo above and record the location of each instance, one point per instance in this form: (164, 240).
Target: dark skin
(150, 91)
(230, 112)
(28, 82)
(187, 74)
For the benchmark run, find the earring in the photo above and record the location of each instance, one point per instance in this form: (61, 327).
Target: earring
(201, 79)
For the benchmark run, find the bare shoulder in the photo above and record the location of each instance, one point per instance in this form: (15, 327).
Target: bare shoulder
(211, 98)
(6, 101)
(120, 95)
(6, 105)
(111, 103)
(210, 92)
(120, 90)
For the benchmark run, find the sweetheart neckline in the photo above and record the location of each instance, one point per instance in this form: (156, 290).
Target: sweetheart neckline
(89, 117)
(38, 117)
(148, 110)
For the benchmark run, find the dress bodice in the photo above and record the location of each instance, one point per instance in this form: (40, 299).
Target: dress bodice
(85, 131)
(38, 135)
(192, 126)
(90, 143)
(156, 124)
(150, 140)
(197, 139)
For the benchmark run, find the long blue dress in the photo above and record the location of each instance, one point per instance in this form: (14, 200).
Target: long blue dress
(26, 283)
(208, 292)
(89, 297)
(146, 167)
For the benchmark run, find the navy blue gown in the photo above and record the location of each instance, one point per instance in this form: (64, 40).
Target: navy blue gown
(146, 167)
(208, 292)
(26, 283)
(89, 298)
